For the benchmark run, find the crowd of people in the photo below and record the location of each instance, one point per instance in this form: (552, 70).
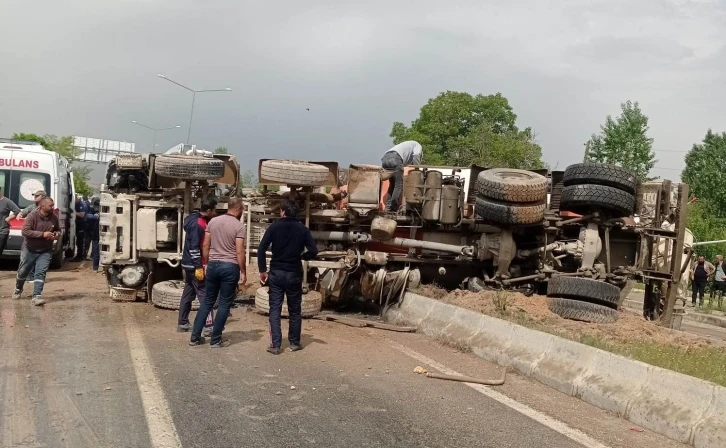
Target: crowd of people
(41, 228)
(214, 266)
(702, 272)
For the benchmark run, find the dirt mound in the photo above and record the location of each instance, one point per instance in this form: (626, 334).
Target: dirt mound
(534, 313)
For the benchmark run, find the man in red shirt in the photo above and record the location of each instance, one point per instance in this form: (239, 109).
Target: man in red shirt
(193, 263)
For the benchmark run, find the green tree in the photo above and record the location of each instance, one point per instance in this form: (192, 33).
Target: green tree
(459, 128)
(221, 150)
(703, 221)
(64, 147)
(81, 178)
(624, 141)
(248, 180)
(486, 147)
(704, 171)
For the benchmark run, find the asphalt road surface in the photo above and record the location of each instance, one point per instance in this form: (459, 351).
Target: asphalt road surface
(86, 372)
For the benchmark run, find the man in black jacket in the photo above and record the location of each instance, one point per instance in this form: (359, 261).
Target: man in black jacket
(288, 237)
(193, 263)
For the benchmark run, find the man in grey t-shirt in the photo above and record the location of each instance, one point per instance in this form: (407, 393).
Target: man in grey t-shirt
(395, 159)
(224, 248)
(719, 280)
(6, 208)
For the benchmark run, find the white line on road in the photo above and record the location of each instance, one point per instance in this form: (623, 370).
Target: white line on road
(555, 425)
(162, 431)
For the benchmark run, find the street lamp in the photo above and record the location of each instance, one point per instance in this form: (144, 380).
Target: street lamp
(194, 95)
(153, 147)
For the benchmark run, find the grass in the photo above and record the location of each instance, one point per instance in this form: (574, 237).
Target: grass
(706, 363)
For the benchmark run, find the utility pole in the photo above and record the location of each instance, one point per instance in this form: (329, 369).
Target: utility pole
(587, 151)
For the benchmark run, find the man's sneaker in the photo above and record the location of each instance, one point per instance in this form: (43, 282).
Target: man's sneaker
(197, 342)
(222, 343)
(183, 328)
(37, 301)
(274, 350)
(17, 294)
(295, 347)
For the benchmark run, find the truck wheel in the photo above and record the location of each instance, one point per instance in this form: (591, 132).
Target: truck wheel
(590, 198)
(188, 167)
(584, 289)
(57, 261)
(512, 185)
(294, 172)
(168, 295)
(584, 311)
(312, 302)
(601, 174)
(502, 213)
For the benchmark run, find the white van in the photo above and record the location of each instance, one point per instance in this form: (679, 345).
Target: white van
(26, 167)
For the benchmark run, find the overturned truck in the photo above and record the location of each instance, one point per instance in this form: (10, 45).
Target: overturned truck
(578, 235)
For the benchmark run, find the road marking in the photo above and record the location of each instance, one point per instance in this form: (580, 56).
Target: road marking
(554, 424)
(162, 431)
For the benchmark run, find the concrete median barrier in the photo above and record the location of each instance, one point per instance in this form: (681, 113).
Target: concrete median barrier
(678, 406)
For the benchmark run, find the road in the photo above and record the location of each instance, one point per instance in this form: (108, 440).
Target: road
(86, 372)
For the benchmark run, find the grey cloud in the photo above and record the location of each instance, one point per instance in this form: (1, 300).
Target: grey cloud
(89, 68)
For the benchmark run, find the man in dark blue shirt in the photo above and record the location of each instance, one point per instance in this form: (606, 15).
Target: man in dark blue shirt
(288, 237)
(81, 211)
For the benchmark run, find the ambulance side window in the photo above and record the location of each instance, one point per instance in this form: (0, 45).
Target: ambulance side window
(3, 181)
(28, 183)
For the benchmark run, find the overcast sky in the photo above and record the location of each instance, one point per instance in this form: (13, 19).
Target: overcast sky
(89, 67)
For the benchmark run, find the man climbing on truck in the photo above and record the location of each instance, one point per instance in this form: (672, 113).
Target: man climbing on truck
(395, 159)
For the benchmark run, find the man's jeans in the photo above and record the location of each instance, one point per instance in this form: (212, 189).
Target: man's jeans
(4, 241)
(392, 161)
(285, 284)
(80, 241)
(28, 261)
(698, 287)
(31, 274)
(95, 255)
(192, 288)
(222, 279)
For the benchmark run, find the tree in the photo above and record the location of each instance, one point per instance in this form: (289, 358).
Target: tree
(624, 141)
(81, 177)
(485, 147)
(458, 128)
(705, 167)
(64, 147)
(248, 180)
(703, 221)
(221, 150)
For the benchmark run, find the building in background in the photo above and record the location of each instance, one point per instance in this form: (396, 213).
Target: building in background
(97, 150)
(95, 153)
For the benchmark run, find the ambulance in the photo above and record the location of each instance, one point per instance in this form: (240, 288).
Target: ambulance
(26, 167)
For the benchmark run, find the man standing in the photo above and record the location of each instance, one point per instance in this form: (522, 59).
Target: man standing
(700, 273)
(37, 196)
(288, 237)
(403, 154)
(224, 247)
(719, 280)
(92, 232)
(40, 229)
(81, 211)
(7, 207)
(195, 226)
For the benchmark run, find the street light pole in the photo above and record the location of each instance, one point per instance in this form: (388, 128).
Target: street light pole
(154, 130)
(194, 96)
